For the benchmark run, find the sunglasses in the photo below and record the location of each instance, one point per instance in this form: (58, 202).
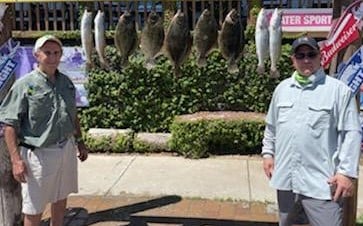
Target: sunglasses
(309, 55)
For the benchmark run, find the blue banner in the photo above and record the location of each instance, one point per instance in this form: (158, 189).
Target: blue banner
(351, 73)
(6, 70)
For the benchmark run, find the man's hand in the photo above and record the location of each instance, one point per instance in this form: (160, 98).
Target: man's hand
(19, 171)
(343, 186)
(268, 166)
(82, 151)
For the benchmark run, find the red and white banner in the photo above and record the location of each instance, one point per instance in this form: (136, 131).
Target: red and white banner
(342, 33)
(305, 19)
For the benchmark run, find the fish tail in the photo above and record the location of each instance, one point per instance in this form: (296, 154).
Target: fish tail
(233, 68)
(202, 61)
(124, 61)
(260, 69)
(150, 64)
(89, 65)
(274, 73)
(177, 71)
(104, 64)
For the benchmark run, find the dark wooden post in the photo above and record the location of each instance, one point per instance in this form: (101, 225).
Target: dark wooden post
(10, 190)
(350, 207)
(169, 11)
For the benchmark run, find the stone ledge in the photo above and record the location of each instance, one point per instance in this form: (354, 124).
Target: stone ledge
(219, 115)
(100, 132)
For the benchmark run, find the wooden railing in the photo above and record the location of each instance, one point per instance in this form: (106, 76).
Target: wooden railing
(65, 16)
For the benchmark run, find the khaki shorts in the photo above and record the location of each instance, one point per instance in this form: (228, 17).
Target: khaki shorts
(51, 175)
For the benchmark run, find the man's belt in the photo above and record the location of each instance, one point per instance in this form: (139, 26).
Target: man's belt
(28, 146)
(60, 143)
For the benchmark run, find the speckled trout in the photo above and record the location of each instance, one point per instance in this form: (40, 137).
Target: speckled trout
(262, 40)
(275, 33)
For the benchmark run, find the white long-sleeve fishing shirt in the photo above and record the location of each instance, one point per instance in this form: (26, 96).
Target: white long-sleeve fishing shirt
(312, 132)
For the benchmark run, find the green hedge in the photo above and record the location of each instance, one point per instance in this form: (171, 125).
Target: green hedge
(201, 134)
(193, 136)
(111, 144)
(148, 101)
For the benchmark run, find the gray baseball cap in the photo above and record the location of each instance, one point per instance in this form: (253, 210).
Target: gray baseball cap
(305, 40)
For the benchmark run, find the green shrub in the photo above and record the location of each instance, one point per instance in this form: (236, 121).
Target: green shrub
(190, 139)
(98, 144)
(201, 134)
(360, 220)
(145, 147)
(115, 144)
(122, 143)
(148, 101)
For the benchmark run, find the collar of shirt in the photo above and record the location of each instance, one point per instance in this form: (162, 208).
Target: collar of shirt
(303, 80)
(44, 74)
(314, 79)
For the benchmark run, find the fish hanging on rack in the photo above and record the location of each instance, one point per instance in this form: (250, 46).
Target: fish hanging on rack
(231, 40)
(152, 39)
(275, 39)
(87, 37)
(178, 41)
(100, 40)
(205, 36)
(126, 39)
(262, 40)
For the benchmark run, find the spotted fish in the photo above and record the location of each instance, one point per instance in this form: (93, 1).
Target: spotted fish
(231, 40)
(126, 40)
(87, 37)
(100, 40)
(205, 36)
(262, 40)
(275, 39)
(178, 41)
(152, 39)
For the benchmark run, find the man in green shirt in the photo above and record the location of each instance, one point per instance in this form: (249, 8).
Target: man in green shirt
(42, 133)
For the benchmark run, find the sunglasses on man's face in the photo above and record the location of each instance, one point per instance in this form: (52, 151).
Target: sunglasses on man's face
(309, 55)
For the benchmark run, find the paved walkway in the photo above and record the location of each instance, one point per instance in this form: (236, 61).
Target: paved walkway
(170, 210)
(165, 190)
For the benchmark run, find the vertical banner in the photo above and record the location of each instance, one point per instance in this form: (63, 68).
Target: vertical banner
(8, 65)
(343, 32)
(7, 69)
(352, 72)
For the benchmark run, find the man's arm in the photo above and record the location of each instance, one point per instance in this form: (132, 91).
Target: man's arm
(268, 150)
(18, 165)
(349, 152)
(82, 149)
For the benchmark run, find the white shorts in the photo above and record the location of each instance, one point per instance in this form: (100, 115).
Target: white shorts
(51, 175)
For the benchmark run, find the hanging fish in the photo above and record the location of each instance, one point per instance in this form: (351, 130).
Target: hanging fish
(205, 36)
(125, 37)
(231, 40)
(100, 40)
(178, 41)
(275, 33)
(262, 40)
(152, 39)
(87, 37)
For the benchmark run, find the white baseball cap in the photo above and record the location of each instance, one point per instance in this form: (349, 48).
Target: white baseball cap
(42, 40)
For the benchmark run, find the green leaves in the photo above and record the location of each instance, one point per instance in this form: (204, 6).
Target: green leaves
(148, 101)
(196, 138)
